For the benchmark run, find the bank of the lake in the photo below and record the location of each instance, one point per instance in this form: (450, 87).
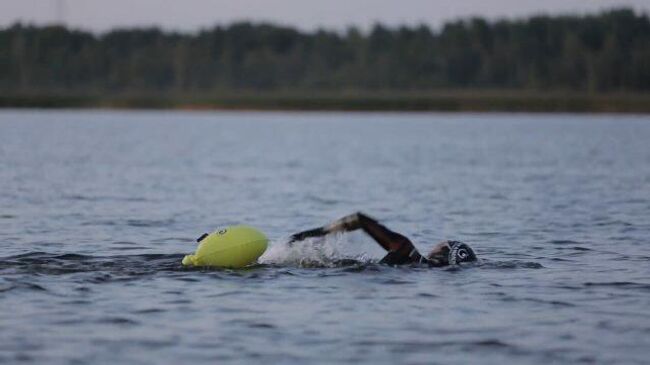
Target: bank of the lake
(461, 101)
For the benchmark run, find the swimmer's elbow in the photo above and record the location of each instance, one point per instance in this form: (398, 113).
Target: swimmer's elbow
(362, 217)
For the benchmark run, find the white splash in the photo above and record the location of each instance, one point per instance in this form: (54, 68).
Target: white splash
(325, 251)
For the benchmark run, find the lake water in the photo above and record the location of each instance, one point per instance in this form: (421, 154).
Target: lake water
(97, 209)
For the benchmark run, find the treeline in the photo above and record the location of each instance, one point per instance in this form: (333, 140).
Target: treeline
(607, 52)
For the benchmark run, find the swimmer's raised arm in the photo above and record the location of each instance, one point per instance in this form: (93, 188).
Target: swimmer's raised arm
(348, 223)
(389, 240)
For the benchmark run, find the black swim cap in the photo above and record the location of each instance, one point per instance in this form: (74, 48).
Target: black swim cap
(460, 252)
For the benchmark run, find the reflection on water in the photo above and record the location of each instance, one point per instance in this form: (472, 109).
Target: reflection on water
(98, 208)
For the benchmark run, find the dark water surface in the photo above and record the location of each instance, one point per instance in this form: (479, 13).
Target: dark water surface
(98, 208)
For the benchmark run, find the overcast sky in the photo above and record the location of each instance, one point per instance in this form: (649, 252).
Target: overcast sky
(188, 15)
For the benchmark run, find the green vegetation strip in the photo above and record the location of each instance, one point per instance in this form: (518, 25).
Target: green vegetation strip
(605, 53)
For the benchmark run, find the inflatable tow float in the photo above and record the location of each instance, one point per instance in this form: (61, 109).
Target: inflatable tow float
(232, 247)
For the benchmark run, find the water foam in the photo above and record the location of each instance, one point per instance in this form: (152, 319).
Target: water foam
(328, 251)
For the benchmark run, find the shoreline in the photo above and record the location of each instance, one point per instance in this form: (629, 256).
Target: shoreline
(399, 102)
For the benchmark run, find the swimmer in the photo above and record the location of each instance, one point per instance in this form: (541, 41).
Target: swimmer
(400, 249)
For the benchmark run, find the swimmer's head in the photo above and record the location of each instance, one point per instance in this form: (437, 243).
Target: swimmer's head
(452, 253)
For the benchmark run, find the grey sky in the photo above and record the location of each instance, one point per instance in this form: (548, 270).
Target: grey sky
(100, 15)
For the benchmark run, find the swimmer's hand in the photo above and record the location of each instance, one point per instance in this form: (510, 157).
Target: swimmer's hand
(316, 232)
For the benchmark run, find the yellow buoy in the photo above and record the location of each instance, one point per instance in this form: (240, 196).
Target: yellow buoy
(231, 247)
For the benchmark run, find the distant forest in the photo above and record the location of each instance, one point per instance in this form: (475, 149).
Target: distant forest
(601, 53)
